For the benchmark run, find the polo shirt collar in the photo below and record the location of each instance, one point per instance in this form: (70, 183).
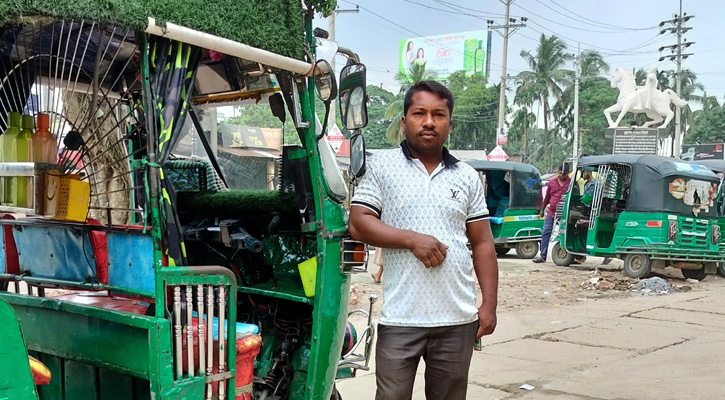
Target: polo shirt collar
(448, 159)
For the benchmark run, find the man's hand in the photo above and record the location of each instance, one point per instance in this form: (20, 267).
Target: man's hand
(429, 250)
(486, 321)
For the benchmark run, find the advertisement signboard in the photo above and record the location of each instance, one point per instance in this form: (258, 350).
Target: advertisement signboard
(697, 152)
(446, 54)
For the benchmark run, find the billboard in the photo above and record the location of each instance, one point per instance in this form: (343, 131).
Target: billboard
(696, 152)
(446, 54)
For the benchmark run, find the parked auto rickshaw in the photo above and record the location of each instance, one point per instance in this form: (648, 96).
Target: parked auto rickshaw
(648, 210)
(718, 167)
(160, 256)
(513, 192)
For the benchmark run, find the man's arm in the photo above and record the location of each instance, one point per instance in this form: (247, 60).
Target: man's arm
(486, 267)
(365, 225)
(547, 199)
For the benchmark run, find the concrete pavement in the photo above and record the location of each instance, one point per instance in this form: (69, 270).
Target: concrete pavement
(658, 347)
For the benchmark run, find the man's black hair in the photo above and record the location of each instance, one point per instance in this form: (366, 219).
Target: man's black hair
(564, 168)
(428, 86)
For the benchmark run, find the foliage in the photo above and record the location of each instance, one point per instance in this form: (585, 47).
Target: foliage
(324, 7)
(709, 127)
(375, 131)
(475, 112)
(394, 112)
(595, 96)
(546, 74)
(260, 116)
(247, 21)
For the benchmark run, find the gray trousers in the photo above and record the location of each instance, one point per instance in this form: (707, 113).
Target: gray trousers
(447, 352)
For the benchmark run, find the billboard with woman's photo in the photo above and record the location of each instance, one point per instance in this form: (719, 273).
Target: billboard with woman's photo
(446, 54)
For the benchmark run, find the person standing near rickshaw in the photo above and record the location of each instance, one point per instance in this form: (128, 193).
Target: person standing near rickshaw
(421, 205)
(554, 194)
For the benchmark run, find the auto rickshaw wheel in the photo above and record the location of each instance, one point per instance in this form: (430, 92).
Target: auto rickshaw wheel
(697, 274)
(502, 250)
(721, 269)
(527, 250)
(560, 256)
(637, 265)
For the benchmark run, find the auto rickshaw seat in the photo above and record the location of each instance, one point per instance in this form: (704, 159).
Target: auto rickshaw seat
(503, 205)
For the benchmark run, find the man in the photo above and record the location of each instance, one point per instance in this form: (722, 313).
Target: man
(644, 100)
(421, 206)
(555, 191)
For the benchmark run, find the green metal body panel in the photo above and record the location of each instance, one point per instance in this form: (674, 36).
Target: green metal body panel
(16, 383)
(520, 225)
(102, 354)
(630, 233)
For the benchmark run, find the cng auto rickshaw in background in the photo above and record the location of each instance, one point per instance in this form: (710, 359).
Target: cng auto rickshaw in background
(648, 210)
(190, 266)
(513, 192)
(718, 167)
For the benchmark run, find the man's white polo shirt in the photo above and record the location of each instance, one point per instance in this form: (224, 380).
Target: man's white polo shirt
(399, 189)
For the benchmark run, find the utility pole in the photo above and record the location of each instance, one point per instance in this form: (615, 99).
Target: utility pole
(510, 23)
(576, 103)
(677, 56)
(331, 29)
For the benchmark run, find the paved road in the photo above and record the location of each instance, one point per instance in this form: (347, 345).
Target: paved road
(639, 347)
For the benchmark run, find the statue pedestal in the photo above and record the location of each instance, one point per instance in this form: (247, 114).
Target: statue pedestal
(635, 140)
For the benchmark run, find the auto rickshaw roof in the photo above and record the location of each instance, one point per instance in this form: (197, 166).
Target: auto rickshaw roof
(485, 165)
(713, 164)
(655, 167)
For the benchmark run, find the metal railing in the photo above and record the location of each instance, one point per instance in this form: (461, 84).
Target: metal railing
(203, 348)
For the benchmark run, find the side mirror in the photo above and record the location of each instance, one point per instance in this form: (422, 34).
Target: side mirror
(353, 97)
(357, 155)
(325, 84)
(326, 49)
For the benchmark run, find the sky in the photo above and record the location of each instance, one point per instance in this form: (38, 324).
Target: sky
(625, 32)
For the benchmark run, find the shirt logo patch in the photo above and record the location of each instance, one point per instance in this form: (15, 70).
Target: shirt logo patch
(454, 194)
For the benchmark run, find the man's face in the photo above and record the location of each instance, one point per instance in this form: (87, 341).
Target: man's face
(560, 175)
(427, 123)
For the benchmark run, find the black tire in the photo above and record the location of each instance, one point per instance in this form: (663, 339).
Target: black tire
(560, 256)
(527, 250)
(721, 269)
(637, 265)
(502, 250)
(697, 274)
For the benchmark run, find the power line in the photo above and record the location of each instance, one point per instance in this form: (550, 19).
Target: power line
(601, 24)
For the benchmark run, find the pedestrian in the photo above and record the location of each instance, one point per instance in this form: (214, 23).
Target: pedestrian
(555, 191)
(421, 205)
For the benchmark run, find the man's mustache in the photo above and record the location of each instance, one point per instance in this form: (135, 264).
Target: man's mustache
(424, 131)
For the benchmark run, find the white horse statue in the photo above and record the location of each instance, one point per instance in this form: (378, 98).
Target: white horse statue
(631, 99)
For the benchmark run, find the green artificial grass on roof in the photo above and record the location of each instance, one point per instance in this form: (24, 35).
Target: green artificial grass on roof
(273, 25)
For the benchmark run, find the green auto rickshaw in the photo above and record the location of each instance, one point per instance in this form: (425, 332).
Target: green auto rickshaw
(513, 194)
(718, 167)
(648, 210)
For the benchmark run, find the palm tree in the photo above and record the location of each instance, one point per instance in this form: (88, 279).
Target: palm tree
(525, 96)
(546, 74)
(394, 112)
(592, 66)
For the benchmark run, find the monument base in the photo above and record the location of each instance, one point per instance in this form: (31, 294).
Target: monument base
(635, 140)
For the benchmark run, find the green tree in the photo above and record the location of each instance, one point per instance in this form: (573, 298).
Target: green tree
(708, 127)
(546, 74)
(394, 112)
(375, 131)
(475, 112)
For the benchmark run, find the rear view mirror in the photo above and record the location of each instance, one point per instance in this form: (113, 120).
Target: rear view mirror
(357, 155)
(325, 84)
(353, 98)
